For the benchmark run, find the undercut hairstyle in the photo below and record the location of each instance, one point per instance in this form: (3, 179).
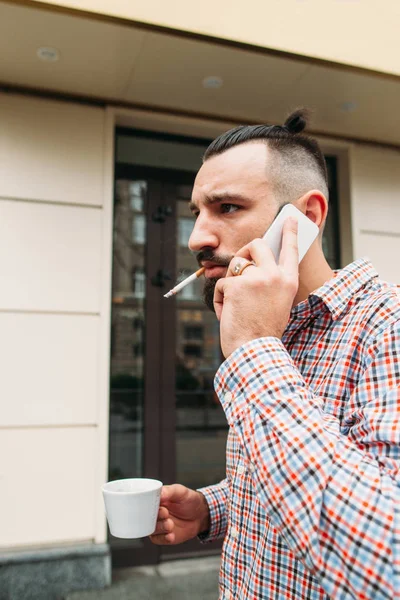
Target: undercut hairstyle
(297, 164)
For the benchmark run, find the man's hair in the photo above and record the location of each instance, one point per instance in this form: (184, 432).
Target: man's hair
(298, 164)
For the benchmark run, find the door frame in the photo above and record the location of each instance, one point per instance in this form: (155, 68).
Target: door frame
(159, 439)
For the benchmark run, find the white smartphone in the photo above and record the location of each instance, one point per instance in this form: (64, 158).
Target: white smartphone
(307, 231)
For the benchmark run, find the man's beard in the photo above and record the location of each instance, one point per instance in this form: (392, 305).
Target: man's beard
(208, 292)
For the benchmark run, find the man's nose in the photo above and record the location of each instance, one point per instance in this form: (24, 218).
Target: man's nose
(202, 236)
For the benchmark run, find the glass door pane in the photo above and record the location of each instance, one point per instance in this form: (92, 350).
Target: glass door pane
(201, 426)
(127, 330)
(330, 240)
(135, 396)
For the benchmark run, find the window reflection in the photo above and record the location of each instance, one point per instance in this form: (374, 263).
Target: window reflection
(139, 282)
(127, 330)
(185, 228)
(139, 229)
(201, 424)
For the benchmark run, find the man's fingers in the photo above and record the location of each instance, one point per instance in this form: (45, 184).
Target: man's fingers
(238, 265)
(219, 296)
(259, 253)
(162, 540)
(164, 527)
(162, 513)
(289, 256)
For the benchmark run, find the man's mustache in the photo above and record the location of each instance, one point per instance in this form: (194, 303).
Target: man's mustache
(208, 255)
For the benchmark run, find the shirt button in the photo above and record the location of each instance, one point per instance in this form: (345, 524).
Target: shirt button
(252, 468)
(234, 533)
(227, 595)
(228, 397)
(241, 469)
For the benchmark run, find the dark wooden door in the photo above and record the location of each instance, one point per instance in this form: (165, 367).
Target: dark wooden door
(165, 421)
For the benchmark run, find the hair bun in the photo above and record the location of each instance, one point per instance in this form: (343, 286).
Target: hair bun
(297, 121)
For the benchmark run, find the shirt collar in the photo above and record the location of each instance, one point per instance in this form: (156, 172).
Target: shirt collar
(336, 294)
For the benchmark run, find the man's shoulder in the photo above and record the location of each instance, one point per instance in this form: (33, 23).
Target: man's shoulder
(378, 292)
(379, 304)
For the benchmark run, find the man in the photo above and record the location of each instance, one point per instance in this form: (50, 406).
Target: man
(310, 507)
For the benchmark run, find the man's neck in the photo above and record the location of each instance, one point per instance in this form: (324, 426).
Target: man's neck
(314, 271)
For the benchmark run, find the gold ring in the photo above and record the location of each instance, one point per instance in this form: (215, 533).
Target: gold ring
(240, 267)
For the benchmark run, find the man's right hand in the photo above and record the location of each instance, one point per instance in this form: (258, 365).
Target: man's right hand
(182, 516)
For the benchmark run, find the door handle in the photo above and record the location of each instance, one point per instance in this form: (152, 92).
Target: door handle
(161, 213)
(159, 279)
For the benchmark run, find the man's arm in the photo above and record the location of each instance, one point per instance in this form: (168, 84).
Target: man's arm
(334, 498)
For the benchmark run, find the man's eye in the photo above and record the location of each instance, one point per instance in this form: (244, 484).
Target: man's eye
(229, 208)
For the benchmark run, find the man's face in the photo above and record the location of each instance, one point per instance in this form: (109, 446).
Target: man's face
(233, 204)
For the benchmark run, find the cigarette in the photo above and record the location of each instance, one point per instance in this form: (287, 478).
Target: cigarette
(185, 282)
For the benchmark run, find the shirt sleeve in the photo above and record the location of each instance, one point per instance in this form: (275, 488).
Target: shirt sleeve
(332, 491)
(216, 497)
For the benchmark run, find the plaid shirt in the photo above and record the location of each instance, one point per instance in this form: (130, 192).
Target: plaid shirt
(310, 507)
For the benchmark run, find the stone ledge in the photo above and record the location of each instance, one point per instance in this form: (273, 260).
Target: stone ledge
(52, 573)
(39, 554)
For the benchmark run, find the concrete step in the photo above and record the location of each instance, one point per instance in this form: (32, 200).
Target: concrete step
(191, 579)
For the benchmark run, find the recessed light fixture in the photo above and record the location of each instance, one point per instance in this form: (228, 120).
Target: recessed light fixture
(348, 106)
(48, 54)
(213, 82)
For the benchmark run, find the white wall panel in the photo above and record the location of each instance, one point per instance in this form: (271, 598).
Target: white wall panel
(49, 369)
(55, 275)
(50, 257)
(376, 181)
(51, 150)
(375, 191)
(384, 252)
(47, 485)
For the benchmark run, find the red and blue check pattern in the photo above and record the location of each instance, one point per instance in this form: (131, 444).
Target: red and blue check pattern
(310, 507)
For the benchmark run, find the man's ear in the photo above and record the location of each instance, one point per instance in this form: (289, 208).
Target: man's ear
(315, 206)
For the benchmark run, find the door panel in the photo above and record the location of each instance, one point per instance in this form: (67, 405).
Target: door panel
(129, 328)
(200, 421)
(165, 420)
(127, 331)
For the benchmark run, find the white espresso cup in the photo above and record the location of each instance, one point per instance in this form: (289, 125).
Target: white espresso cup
(132, 506)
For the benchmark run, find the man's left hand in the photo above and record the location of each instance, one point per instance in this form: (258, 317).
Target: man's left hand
(258, 302)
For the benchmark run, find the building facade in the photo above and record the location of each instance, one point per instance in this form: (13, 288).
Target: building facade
(104, 117)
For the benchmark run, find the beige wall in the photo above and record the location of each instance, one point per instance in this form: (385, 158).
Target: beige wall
(375, 190)
(55, 249)
(54, 318)
(346, 31)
